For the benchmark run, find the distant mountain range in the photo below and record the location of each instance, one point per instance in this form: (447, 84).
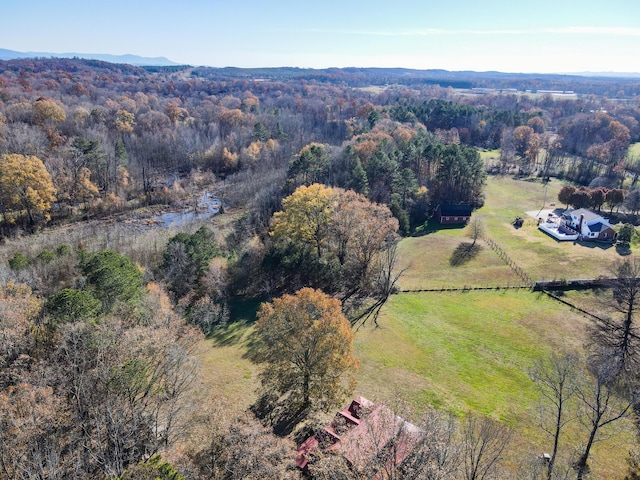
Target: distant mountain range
(607, 74)
(139, 61)
(129, 59)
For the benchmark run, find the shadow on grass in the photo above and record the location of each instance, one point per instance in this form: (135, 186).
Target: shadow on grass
(243, 315)
(252, 342)
(230, 334)
(244, 309)
(433, 226)
(594, 244)
(464, 253)
(283, 415)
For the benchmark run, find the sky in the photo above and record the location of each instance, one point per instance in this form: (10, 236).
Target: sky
(521, 36)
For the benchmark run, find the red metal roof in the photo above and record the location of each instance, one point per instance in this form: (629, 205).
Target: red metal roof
(359, 432)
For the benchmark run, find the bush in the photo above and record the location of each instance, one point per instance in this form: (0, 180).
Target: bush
(208, 315)
(63, 250)
(113, 277)
(46, 256)
(626, 233)
(187, 259)
(19, 262)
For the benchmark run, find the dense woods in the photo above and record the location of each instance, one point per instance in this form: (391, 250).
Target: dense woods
(322, 173)
(114, 136)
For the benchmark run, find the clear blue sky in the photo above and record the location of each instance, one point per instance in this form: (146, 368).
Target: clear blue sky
(510, 36)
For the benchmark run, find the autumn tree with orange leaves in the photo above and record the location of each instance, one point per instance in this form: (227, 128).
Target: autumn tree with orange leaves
(307, 344)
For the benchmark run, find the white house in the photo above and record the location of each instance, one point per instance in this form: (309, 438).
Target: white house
(589, 225)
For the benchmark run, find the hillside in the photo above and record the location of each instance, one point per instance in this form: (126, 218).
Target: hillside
(146, 214)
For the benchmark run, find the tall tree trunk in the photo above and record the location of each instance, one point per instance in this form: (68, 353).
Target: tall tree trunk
(582, 467)
(305, 390)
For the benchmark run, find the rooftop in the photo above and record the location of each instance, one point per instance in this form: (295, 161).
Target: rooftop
(360, 432)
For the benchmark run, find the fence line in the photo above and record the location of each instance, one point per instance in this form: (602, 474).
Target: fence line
(464, 289)
(509, 261)
(571, 305)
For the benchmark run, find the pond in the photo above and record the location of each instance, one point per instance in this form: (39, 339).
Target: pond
(208, 206)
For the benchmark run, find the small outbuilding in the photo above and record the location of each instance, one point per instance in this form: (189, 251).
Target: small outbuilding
(360, 433)
(453, 214)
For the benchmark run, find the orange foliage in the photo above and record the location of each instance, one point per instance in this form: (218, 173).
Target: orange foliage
(308, 344)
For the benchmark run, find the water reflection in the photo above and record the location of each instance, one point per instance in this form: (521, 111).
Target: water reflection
(208, 205)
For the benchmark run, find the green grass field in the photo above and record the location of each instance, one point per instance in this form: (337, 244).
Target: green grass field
(426, 258)
(634, 150)
(541, 256)
(471, 350)
(466, 351)
(462, 351)
(490, 156)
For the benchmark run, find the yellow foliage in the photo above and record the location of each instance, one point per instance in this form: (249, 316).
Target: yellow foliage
(271, 144)
(175, 112)
(85, 188)
(250, 102)
(254, 149)
(25, 185)
(45, 110)
(125, 121)
(123, 176)
(229, 159)
(305, 216)
(114, 201)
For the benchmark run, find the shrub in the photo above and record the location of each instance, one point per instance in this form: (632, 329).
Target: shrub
(19, 262)
(63, 250)
(46, 256)
(113, 277)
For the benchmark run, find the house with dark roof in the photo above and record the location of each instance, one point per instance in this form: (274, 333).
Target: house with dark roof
(589, 225)
(453, 214)
(360, 433)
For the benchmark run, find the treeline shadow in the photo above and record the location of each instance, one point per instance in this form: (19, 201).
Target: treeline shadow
(243, 314)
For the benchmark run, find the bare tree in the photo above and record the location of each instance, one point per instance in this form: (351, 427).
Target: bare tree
(617, 335)
(483, 442)
(244, 450)
(436, 455)
(556, 381)
(475, 230)
(386, 284)
(126, 388)
(602, 404)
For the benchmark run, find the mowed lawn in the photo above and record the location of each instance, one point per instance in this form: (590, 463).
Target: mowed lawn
(426, 263)
(464, 350)
(541, 256)
(470, 351)
(461, 351)
(426, 258)
(634, 150)
(458, 351)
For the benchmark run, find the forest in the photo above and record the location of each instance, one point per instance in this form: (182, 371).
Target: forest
(320, 175)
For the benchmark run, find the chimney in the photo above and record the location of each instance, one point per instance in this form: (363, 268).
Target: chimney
(580, 224)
